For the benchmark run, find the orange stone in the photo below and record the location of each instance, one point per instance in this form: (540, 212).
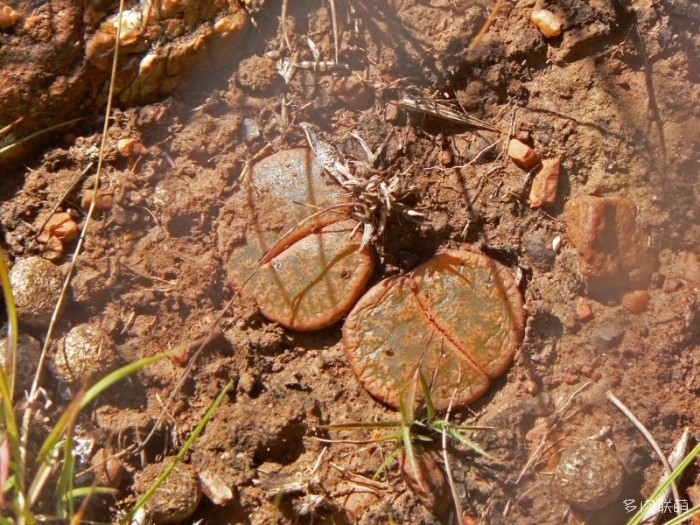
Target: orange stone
(458, 318)
(583, 310)
(62, 226)
(523, 155)
(545, 184)
(636, 301)
(612, 250)
(548, 23)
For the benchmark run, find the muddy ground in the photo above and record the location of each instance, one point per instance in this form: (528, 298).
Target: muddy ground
(616, 98)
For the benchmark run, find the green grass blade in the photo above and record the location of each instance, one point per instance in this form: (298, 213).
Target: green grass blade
(65, 480)
(637, 518)
(46, 459)
(12, 325)
(678, 520)
(454, 434)
(84, 492)
(181, 454)
(6, 383)
(127, 370)
(385, 464)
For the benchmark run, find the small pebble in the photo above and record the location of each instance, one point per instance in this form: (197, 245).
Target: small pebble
(8, 17)
(583, 310)
(549, 24)
(108, 469)
(556, 244)
(353, 92)
(103, 200)
(36, 286)
(214, 488)
(53, 249)
(571, 379)
(545, 184)
(391, 113)
(251, 131)
(445, 157)
(523, 155)
(83, 353)
(427, 481)
(28, 354)
(177, 497)
(131, 148)
(589, 475)
(636, 301)
(610, 333)
(60, 225)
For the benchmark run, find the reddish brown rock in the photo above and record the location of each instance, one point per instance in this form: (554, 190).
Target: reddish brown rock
(636, 301)
(583, 310)
(545, 184)
(611, 249)
(523, 155)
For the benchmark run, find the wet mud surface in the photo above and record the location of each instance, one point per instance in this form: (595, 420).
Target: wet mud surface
(608, 268)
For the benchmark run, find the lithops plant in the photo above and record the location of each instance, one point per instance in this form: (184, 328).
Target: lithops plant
(589, 476)
(296, 252)
(457, 317)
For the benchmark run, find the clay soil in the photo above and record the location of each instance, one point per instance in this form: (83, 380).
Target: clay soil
(616, 98)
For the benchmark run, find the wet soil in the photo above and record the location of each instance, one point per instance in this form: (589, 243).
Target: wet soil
(616, 98)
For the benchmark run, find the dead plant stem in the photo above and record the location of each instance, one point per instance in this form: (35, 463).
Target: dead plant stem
(647, 435)
(27, 416)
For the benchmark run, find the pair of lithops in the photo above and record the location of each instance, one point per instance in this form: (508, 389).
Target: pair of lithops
(297, 251)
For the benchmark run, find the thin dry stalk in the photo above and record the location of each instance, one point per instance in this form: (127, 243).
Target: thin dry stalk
(27, 417)
(334, 21)
(674, 459)
(536, 454)
(650, 439)
(492, 16)
(446, 458)
(283, 22)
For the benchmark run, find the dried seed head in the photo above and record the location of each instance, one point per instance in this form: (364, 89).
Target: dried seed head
(377, 195)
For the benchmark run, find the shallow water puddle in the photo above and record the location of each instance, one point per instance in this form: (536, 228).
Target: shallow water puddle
(309, 269)
(458, 317)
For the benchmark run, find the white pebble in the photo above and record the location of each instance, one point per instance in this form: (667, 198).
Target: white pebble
(556, 244)
(549, 24)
